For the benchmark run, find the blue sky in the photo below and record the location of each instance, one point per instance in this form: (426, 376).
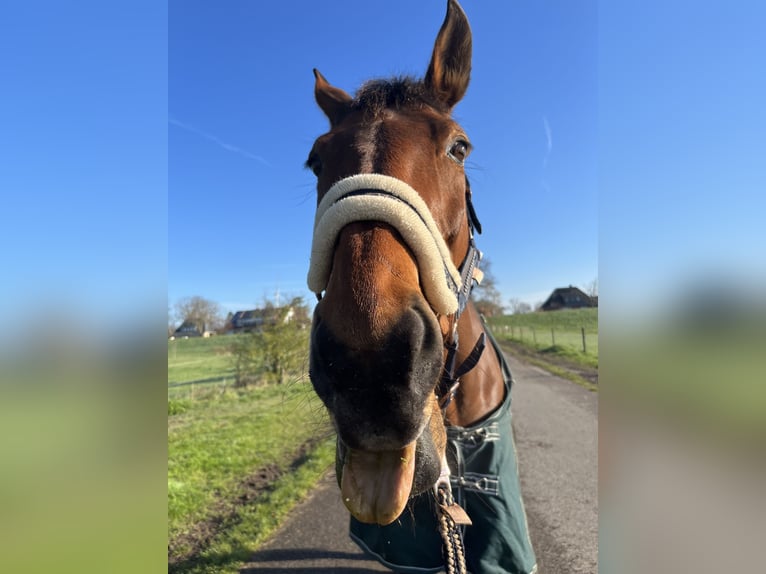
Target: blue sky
(682, 154)
(83, 162)
(150, 150)
(242, 119)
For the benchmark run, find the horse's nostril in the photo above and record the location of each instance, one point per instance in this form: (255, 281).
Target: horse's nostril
(431, 336)
(328, 364)
(414, 337)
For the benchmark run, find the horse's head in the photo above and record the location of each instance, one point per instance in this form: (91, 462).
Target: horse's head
(387, 243)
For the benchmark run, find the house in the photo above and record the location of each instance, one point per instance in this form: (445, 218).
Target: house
(568, 298)
(256, 319)
(243, 321)
(189, 328)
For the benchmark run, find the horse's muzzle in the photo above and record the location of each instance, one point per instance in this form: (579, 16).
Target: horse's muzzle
(377, 396)
(381, 402)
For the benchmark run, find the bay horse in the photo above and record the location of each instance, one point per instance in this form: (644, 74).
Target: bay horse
(422, 422)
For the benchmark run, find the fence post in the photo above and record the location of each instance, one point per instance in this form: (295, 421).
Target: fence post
(534, 335)
(553, 337)
(584, 348)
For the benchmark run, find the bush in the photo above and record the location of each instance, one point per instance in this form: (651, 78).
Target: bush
(244, 353)
(275, 354)
(283, 349)
(178, 406)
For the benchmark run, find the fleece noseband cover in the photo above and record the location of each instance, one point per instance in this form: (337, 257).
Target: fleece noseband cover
(377, 197)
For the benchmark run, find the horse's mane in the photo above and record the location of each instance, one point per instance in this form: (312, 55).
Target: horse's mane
(397, 93)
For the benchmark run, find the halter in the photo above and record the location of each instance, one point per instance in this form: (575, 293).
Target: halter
(377, 197)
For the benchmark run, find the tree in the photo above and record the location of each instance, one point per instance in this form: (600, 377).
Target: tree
(485, 296)
(592, 288)
(518, 307)
(171, 322)
(205, 314)
(300, 311)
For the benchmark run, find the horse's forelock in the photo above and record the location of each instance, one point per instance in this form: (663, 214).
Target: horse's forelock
(397, 93)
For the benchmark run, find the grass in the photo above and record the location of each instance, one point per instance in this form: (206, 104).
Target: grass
(238, 460)
(553, 333)
(563, 319)
(197, 358)
(249, 525)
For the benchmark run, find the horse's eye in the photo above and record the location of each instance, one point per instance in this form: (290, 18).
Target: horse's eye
(458, 151)
(314, 164)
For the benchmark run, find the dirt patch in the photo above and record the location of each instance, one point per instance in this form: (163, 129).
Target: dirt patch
(183, 549)
(260, 482)
(590, 374)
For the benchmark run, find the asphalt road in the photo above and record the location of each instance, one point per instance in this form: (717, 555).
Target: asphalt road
(556, 428)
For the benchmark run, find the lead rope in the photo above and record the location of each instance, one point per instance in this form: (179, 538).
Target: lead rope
(454, 550)
(450, 516)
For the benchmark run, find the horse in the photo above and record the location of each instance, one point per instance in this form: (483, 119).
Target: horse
(422, 419)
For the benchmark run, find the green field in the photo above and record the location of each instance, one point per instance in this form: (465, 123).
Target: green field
(238, 459)
(198, 359)
(555, 332)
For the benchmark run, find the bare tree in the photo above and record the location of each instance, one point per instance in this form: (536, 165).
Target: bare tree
(591, 288)
(204, 313)
(171, 321)
(485, 296)
(518, 306)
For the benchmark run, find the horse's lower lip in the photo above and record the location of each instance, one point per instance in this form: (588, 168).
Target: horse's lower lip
(376, 485)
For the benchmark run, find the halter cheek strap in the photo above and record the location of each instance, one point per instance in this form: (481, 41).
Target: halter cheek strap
(470, 275)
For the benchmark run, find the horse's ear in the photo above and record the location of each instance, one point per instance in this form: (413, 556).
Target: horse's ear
(333, 101)
(450, 68)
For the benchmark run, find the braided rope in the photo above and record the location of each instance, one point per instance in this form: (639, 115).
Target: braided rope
(454, 557)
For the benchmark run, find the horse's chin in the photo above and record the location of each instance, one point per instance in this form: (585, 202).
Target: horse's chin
(376, 485)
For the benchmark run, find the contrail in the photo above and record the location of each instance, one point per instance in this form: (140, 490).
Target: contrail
(219, 142)
(548, 140)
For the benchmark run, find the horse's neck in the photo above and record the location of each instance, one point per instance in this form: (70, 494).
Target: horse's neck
(482, 389)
